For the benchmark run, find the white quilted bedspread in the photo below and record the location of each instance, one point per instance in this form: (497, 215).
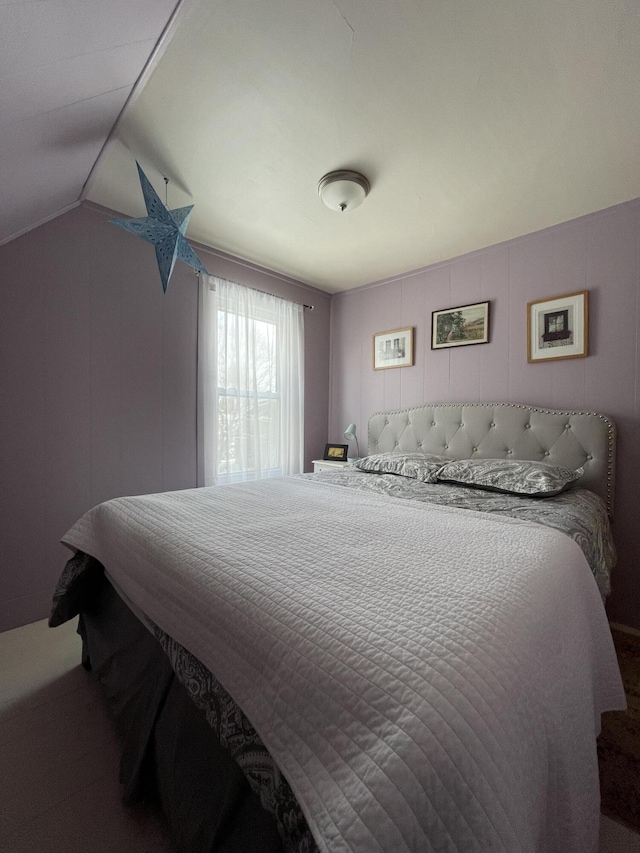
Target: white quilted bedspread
(428, 678)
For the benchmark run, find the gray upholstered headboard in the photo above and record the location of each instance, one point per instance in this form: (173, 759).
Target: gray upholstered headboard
(504, 431)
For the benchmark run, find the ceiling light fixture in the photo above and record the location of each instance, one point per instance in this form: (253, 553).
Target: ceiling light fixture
(343, 190)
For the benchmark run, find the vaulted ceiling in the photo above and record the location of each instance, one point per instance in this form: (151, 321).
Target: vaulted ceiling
(67, 69)
(474, 122)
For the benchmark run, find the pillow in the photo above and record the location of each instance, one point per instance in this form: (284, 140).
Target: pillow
(512, 476)
(419, 466)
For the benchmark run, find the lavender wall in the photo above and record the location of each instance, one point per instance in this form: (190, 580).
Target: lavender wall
(97, 382)
(598, 252)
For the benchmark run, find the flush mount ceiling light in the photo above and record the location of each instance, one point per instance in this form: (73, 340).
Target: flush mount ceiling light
(343, 190)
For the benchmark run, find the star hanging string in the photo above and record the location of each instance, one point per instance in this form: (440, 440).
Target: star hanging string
(165, 229)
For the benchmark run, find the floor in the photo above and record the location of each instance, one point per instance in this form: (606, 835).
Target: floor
(59, 758)
(59, 788)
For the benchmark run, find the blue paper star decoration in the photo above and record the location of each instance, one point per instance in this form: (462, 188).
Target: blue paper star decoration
(165, 229)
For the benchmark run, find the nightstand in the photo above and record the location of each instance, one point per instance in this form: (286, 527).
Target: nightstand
(327, 465)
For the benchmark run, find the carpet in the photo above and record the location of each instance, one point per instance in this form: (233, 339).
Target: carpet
(619, 741)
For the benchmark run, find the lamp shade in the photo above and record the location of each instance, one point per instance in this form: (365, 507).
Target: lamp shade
(350, 434)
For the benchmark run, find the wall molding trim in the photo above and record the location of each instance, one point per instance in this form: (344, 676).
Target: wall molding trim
(40, 222)
(475, 253)
(224, 256)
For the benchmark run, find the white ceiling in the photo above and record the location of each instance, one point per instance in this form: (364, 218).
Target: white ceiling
(67, 68)
(474, 122)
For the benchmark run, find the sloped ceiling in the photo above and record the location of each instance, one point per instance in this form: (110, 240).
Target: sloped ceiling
(67, 68)
(474, 122)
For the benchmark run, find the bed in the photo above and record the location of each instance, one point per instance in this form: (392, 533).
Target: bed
(364, 660)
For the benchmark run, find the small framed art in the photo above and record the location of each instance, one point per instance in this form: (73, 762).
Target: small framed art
(459, 327)
(335, 452)
(393, 349)
(558, 327)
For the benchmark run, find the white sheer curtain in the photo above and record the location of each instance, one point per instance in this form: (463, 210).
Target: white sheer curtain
(250, 383)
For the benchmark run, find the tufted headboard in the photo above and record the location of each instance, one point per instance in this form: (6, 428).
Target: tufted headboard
(504, 431)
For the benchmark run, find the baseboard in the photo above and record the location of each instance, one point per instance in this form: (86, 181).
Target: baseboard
(24, 610)
(625, 628)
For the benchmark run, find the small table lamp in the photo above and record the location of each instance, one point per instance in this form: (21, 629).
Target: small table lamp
(350, 433)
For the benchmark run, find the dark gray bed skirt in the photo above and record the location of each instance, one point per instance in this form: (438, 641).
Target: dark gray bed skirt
(169, 750)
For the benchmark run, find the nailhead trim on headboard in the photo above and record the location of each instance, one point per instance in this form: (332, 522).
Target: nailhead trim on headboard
(605, 489)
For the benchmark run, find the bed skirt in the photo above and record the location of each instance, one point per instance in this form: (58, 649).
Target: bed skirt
(169, 751)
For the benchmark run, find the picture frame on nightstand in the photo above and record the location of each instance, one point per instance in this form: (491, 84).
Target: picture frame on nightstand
(335, 452)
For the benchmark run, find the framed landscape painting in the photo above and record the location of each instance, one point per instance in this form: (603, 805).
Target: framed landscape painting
(558, 327)
(459, 327)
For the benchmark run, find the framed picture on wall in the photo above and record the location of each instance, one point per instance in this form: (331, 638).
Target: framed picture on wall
(558, 327)
(393, 349)
(459, 327)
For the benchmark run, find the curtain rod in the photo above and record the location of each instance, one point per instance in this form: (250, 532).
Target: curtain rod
(257, 289)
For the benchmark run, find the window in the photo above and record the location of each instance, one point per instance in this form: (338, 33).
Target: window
(249, 398)
(256, 370)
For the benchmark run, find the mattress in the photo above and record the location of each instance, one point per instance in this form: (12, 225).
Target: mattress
(411, 667)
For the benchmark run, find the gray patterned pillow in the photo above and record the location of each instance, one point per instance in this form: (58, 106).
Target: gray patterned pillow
(513, 476)
(423, 467)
